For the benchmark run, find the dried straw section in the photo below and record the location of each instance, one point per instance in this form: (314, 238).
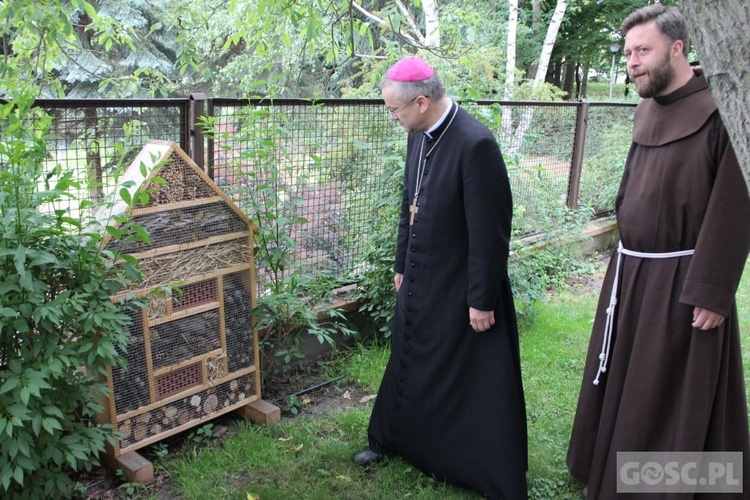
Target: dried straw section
(157, 305)
(216, 368)
(176, 266)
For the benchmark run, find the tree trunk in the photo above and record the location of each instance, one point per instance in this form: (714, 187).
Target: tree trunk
(514, 141)
(584, 81)
(93, 158)
(510, 49)
(571, 69)
(719, 31)
(549, 40)
(431, 23)
(536, 29)
(510, 68)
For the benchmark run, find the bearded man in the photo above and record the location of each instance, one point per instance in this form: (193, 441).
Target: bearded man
(664, 368)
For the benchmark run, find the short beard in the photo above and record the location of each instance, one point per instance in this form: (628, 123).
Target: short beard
(660, 78)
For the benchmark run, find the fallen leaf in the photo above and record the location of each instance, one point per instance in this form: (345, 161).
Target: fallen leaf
(284, 440)
(368, 398)
(347, 395)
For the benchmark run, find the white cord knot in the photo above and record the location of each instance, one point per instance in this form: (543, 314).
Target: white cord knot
(610, 319)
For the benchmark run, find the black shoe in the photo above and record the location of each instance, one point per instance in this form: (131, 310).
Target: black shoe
(367, 457)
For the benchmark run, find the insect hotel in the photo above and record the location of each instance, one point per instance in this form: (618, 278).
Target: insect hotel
(193, 354)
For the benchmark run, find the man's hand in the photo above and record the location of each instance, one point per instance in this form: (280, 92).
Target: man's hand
(705, 319)
(481, 321)
(397, 279)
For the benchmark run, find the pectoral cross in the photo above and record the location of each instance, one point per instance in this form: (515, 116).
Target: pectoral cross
(413, 210)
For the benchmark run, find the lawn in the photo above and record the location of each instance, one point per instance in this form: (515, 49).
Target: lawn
(309, 456)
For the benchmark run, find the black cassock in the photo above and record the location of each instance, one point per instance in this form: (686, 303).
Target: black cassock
(451, 400)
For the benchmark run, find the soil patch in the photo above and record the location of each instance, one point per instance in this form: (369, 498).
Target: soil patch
(302, 394)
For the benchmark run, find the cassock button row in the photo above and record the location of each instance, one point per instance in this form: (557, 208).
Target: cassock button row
(409, 294)
(413, 249)
(412, 264)
(413, 235)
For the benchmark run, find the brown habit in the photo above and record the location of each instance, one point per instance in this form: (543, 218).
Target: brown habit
(669, 387)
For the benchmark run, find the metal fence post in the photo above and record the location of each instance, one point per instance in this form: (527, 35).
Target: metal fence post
(210, 159)
(576, 162)
(197, 151)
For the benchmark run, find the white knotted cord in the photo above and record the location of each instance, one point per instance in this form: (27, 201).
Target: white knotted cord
(610, 321)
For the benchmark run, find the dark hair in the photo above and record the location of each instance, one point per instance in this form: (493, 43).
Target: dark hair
(669, 20)
(430, 87)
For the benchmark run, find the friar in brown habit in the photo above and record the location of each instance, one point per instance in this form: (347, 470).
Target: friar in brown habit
(664, 368)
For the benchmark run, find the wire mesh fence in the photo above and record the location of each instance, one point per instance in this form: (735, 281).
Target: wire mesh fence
(537, 143)
(608, 140)
(315, 172)
(97, 139)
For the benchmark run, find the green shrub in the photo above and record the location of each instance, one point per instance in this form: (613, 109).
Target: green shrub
(607, 146)
(287, 307)
(59, 330)
(376, 287)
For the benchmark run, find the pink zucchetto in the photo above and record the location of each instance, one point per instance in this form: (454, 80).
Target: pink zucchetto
(410, 69)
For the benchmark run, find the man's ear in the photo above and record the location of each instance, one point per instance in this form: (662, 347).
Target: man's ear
(677, 47)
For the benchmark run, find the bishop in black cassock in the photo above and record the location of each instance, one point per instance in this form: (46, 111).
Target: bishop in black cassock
(451, 401)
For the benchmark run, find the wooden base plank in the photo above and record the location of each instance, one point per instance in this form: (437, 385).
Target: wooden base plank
(260, 412)
(134, 466)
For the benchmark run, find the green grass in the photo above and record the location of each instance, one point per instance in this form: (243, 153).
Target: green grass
(599, 92)
(743, 313)
(552, 357)
(310, 458)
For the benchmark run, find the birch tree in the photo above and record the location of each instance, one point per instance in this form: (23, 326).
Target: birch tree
(549, 41)
(719, 31)
(513, 140)
(431, 23)
(413, 35)
(510, 52)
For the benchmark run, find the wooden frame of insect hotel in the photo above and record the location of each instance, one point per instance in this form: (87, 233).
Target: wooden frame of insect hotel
(193, 354)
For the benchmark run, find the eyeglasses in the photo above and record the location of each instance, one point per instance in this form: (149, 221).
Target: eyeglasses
(393, 112)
